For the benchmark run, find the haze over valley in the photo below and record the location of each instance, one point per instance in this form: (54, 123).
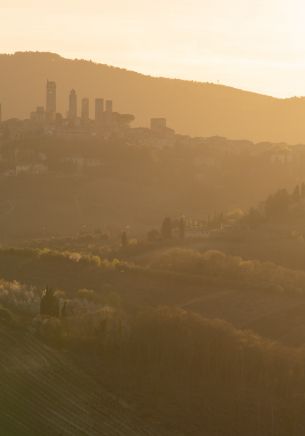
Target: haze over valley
(152, 229)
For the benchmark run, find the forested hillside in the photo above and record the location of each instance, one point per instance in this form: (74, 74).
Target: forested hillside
(134, 185)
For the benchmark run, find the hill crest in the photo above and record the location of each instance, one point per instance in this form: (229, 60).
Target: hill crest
(193, 108)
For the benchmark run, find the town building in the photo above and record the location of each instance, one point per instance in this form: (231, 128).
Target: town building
(109, 106)
(72, 112)
(158, 124)
(85, 111)
(50, 101)
(99, 110)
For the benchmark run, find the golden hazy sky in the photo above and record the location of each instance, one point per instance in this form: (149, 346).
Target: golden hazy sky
(252, 44)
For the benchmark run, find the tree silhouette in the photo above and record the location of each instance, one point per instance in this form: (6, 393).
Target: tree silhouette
(166, 228)
(49, 303)
(296, 193)
(124, 240)
(277, 204)
(182, 228)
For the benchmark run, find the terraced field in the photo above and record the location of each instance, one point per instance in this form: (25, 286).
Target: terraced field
(43, 393)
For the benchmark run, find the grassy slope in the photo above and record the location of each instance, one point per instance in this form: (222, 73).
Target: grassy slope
(271, 313)
(44, 393)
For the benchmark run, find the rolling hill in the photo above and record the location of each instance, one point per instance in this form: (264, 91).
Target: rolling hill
(198, 109)
(261, 296)
(43, 392)
(151, 371)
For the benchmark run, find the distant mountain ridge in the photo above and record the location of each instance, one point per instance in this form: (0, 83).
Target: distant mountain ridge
(197, 109)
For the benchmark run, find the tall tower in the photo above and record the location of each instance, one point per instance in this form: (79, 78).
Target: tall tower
(73, 105)
(109, 106)
(85, 109)
(99, 109)
(51, 101)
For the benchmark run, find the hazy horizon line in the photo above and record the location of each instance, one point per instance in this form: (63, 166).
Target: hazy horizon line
(99, 62)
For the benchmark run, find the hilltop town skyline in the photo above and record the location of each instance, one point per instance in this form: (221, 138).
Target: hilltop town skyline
(191, 108)
(77, 119)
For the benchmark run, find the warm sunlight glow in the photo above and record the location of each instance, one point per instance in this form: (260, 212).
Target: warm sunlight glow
(152, 217)
(255, 44)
